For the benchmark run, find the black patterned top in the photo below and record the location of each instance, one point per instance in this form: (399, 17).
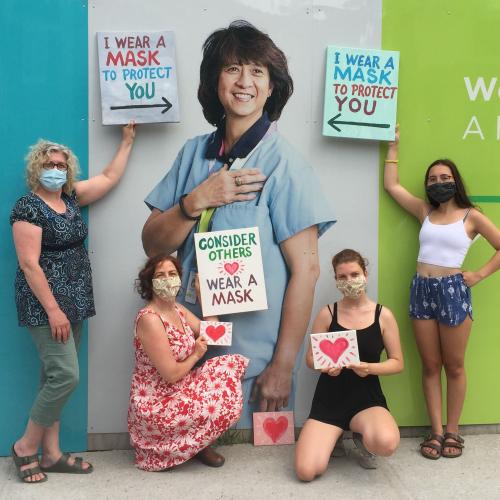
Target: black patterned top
(63, 258)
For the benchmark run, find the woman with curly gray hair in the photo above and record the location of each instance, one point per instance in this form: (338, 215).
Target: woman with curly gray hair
(53, 289)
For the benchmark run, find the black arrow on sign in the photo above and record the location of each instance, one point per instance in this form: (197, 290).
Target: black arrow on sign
(333, 122)
(166, 104)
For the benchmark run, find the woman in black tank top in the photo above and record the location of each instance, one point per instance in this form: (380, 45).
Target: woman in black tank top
(351, 398)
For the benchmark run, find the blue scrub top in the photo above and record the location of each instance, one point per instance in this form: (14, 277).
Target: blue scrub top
(290, 201)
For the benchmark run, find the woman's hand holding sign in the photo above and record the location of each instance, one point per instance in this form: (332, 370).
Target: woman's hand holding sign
(333, 371)
(361, 370)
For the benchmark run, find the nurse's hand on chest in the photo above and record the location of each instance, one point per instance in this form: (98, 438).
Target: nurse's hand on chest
(224, 187)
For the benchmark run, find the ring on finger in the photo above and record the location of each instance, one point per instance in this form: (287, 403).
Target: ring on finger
(238, 181)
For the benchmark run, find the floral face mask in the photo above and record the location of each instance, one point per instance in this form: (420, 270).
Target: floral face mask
(166, 288)
(352, 288)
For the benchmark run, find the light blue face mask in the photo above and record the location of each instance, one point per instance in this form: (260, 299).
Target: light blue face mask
(53, 179)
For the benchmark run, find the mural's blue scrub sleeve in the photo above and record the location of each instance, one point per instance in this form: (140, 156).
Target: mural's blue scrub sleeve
(290, 201)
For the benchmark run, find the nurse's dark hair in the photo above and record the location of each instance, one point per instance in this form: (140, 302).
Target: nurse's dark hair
(144, 282)
(461, 198)
(349, 255)
(242, 43)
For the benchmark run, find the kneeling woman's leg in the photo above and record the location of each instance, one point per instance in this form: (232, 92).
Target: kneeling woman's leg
(314, 448)
(379, 430)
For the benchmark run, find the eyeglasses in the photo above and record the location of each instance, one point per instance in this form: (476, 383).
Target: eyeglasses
(442, 178)
(51, 164)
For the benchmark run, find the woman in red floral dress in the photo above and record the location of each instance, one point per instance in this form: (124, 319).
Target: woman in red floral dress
(175, 411)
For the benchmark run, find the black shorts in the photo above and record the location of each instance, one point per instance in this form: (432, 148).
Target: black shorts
(342, 418)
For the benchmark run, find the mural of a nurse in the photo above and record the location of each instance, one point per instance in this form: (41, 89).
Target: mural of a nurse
(244, 85)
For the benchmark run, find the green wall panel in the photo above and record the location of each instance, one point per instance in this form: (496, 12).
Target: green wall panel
(441, 43)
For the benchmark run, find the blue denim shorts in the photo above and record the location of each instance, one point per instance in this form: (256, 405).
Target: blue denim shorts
(446, 299)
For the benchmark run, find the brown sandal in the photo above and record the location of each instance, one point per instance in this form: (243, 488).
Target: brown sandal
(25, 474)
(452, 440)
(427, 443)
(63, 465)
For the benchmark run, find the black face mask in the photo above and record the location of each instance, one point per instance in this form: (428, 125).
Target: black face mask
(441, 191)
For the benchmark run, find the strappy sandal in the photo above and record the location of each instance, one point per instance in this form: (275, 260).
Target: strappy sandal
(427, 443)
(452, 440)
(31, 471)
(63, 466)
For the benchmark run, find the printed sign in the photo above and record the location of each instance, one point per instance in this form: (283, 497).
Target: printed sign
(217, 332)
(273, 427)
(138, 77)
(334, 349)
(361, 93)
(230, 271)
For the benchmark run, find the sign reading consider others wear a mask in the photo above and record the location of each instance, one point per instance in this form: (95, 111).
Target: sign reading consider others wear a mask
(230, 271)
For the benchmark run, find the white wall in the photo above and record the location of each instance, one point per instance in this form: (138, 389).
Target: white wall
(348, 169)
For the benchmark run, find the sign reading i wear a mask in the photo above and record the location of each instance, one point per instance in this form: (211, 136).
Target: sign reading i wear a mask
(230, 271)
(361, 93)
(138, 77)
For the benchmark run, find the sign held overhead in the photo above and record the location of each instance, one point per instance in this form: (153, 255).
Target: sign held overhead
(361, 93)
(138, 77)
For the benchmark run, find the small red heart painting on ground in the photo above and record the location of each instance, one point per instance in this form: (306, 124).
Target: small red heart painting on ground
(215, 332)
(334, 349)
(232, 267)
(275, 428)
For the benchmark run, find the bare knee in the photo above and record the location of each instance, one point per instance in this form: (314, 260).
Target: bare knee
(383, 444)
(387, 445)
(432, 368)
(454, 369)
(308, 472)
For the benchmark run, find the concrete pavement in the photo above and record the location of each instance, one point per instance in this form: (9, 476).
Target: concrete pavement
(267, 472)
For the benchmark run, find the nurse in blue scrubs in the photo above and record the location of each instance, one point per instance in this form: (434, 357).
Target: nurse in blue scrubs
(246, 174)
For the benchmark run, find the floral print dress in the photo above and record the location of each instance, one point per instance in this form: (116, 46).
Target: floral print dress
(170, 423)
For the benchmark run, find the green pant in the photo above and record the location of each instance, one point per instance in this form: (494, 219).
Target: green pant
(59, 375)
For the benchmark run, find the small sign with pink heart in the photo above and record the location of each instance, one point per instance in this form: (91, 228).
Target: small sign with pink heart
(217, 332)
(273, 427)
(230, 271)
(334, 349)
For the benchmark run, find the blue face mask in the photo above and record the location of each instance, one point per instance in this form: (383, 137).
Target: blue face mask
(53, 179)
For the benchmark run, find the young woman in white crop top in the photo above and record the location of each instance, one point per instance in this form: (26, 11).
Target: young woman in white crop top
(440, 302)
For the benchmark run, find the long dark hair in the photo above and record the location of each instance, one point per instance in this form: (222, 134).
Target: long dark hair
(242, 43)
(461, 198)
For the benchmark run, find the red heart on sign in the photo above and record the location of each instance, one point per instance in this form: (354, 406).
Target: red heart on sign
(334, 349)
(275, 428)
(231, 268)
(215, 332)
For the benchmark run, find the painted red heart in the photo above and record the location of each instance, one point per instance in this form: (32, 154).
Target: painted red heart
(334, 349)
(231, 268)
(215, 332)
(275, 428)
